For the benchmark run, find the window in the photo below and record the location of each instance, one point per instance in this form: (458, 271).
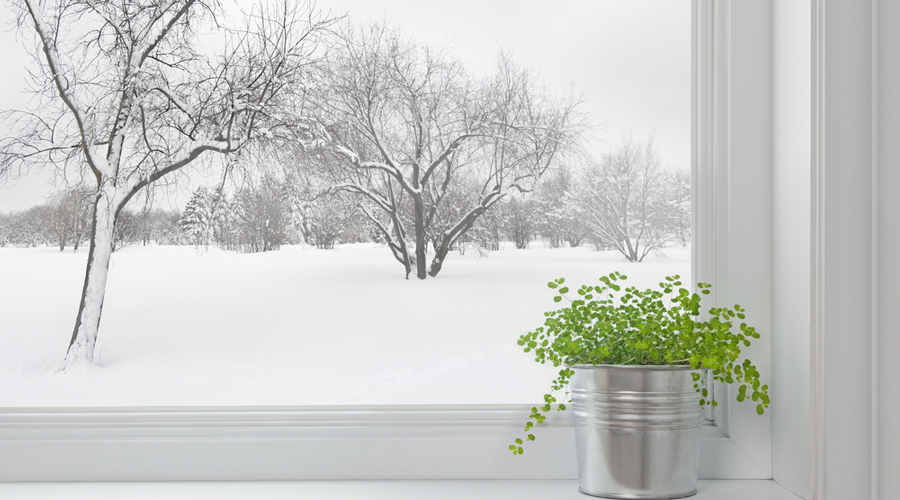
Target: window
(197, 312)
(365, 433)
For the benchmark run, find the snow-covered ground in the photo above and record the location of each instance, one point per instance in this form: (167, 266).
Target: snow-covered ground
(299, 326)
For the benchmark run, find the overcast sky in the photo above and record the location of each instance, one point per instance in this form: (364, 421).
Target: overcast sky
(630, 59)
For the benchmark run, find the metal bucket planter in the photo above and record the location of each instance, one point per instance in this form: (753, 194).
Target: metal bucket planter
(637, 430)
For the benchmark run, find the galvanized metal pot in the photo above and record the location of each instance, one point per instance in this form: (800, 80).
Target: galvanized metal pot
(637, 430)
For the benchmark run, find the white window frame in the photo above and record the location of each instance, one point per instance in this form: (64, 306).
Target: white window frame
(732, 173)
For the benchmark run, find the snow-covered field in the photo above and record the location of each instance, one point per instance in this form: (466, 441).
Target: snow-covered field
(299, 326)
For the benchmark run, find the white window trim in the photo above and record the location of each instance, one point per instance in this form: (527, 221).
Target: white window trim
(855, 226)
(731, 185)
(732, 206)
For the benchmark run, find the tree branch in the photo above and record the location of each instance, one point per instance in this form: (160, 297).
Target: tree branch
(62, 86)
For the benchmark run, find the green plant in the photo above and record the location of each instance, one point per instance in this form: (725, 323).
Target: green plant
(650, 327)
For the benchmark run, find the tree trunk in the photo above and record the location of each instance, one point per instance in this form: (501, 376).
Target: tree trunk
(458, 231)
(87, 323)
(402, 251)
(441, 250)
(421, 241)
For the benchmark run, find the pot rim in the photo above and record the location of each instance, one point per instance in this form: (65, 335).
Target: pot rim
(635, 367)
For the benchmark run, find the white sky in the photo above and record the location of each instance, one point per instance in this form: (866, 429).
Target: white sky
(630, 58)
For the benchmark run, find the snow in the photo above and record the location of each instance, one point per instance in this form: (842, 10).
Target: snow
(299, 326)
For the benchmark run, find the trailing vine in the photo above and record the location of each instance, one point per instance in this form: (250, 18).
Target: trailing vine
(642, 327)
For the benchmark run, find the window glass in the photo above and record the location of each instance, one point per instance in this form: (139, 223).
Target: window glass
(280, 277)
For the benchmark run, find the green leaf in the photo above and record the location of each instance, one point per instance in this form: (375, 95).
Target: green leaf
(518, 440)
(652, 327)
(759, 409)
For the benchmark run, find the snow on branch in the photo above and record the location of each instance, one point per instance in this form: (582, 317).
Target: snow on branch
(48, 37)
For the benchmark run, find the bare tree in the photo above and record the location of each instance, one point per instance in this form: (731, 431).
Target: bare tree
(262, 215)
(487, 231)
(159, 226)
(409, 124)
(518, 216)
(127, 231)
(325, 217)
(129, 99)
(55, 223)
(28, 227)
(5, 229)
(676, 209)
(69, 216)
(557, 221)
(628, 202)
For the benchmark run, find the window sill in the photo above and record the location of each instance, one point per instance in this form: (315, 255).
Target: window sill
(338, 490)
(304, 443)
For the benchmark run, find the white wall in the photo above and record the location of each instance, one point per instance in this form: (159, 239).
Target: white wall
(841, 329)
(836, 253)
(887, 272)
(855, 447)
(790, 243)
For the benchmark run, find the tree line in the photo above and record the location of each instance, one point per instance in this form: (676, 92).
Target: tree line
(625, 202)
(64, 221)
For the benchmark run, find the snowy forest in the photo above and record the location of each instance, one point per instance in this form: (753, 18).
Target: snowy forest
(565, 209)
(284, 127)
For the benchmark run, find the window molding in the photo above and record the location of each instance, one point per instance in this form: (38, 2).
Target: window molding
(732, 201)
(731, 250)
(398, 442)
(855, 235)
(277, 443)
